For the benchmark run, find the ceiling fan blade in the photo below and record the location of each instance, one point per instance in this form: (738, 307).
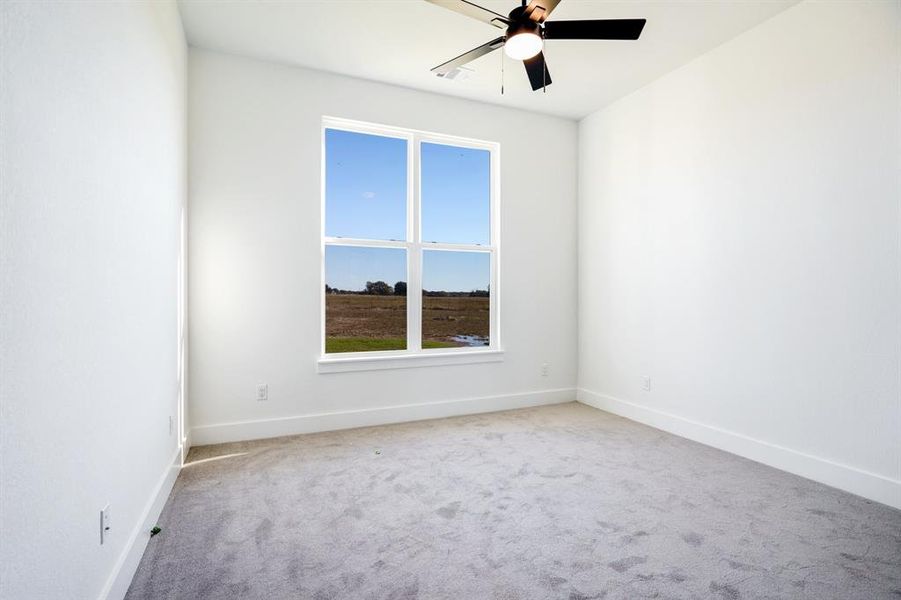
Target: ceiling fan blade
(537, 71)
(474, 11)
(538, 10)
(466, 57)
(604, 29)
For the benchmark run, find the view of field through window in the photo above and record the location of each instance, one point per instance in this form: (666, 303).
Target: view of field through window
(455, 290)
(364, 312)
(366, 285)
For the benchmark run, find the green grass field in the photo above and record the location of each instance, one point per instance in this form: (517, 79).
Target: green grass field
(358, 344)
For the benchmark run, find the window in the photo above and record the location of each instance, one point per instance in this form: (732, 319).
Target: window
(409, 245)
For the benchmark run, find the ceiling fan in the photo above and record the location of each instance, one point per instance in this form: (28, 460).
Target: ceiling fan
(527, 28)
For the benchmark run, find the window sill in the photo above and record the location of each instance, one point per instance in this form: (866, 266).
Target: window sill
(343, 364)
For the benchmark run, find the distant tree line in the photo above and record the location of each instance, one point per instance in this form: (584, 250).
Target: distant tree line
(472, 294)
(380, 288)
(373, 288)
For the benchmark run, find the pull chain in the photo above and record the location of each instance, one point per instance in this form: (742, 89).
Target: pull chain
(502, 73)
(544, 77)
(543, 67)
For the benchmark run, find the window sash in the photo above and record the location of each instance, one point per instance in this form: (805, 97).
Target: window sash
(414, 244)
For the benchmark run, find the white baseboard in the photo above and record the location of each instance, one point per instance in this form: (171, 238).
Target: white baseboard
(119, 580)
(869, 485)
(253, 430)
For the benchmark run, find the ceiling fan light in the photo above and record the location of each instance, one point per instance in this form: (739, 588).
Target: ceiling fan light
(523, 45)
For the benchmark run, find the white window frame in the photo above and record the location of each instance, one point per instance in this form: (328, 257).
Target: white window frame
(415, 355)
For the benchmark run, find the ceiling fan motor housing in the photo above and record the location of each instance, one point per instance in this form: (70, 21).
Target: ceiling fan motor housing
(524, 37)
(523, 26)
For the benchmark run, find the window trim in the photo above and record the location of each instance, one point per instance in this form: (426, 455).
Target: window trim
(414, 354)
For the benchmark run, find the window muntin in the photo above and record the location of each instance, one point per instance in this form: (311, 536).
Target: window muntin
(468, 269)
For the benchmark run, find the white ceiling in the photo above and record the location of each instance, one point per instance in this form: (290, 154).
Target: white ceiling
(399, 41)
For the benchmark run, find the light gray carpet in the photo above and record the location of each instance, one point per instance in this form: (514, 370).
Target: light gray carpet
(553, 502)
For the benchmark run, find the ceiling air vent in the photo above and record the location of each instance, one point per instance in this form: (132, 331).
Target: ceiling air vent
(458, 73)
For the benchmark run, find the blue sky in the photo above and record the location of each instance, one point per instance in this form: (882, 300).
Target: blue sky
(455, 194)
(350, 267)
(365, 186)
(455, 271)
(366, 196)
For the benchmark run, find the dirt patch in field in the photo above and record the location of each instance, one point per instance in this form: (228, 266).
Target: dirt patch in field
(445, 318)
(363, 316)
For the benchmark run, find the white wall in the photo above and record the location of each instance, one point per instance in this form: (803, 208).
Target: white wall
(92, 183)
(739, 244)
(254, 209)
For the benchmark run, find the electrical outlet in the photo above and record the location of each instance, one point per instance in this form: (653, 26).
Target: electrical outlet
(263, 391)
(646, 383)
(105, 523)
(545, 369)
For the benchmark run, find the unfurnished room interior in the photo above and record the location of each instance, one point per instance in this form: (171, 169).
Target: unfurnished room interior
(450, 300)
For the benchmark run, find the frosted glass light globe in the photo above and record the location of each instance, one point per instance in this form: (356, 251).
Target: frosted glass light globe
(523, 45)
